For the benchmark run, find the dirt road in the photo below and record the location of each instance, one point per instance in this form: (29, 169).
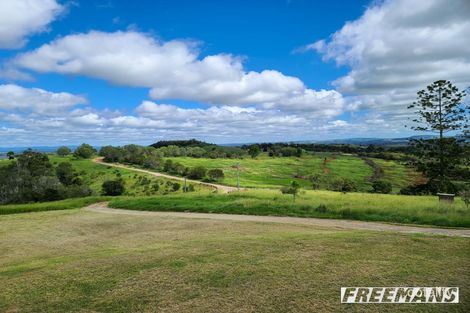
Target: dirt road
(314, 222)
(222, 188)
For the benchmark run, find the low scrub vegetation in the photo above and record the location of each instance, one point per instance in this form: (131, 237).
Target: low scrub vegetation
(323, 204)
(50, 206)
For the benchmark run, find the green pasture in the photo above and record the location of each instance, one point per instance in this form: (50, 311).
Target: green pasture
(268, 172)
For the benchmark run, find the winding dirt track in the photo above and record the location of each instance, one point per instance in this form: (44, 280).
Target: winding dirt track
(222, 188)
(314, 222)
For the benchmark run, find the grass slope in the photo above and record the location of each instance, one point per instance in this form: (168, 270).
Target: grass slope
(323, 204)
(137, 184)
(398, 175)
(78, 261)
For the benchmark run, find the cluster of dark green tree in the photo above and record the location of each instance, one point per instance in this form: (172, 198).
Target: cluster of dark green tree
(196, 149)
(213, 152)
(197, 172)
(121, 154)
(147, 157)
(444, 161)
(84, 151)
(32, 177)
(385, 152)
(151, 158)
(274, 150)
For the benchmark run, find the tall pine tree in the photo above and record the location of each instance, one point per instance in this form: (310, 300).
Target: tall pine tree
(439, 108)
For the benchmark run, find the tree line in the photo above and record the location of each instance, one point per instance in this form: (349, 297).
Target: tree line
(32, 178)
(152, 158)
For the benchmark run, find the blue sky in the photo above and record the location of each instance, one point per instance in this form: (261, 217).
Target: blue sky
(264, 32)
(109, 72)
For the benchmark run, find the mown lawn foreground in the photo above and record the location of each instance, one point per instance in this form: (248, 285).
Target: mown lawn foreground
(80, 261)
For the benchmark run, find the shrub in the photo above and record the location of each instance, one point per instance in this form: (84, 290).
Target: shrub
(168, 166)
(53, 194)
(10, 155)
(63, 151)
(111, 154)
(344, 185)
(293, 189)
(215, 174)
(66, 174)
(179, 169)
(197, 172)
(113, 187)
(84, 151)
(176, 186)
(381, 186)
(254, 151)
(415, 190)
(321, 208)
(315, 180)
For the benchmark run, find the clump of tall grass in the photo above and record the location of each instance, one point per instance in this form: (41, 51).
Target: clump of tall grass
(324, 204)
(67, 204)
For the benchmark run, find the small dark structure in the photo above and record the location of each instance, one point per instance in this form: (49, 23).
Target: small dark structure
(446, 197)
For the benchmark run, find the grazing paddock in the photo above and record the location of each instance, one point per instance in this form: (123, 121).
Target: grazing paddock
(80, 261)
(269, 172)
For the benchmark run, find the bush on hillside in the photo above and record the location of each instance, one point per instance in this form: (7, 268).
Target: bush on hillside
(344, 185)
(113, 187)
(176, 186)
(293, 189)
(215, 174)
(197, 172)
(381, 186)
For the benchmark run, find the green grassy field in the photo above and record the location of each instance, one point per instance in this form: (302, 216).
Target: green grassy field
(268, 172)
(137, 184)
(323, 204)
(66, 204)
(79, 261)
(398, 175)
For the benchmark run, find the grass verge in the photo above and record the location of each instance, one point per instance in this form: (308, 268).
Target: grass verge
(66, 204)
(322, 204)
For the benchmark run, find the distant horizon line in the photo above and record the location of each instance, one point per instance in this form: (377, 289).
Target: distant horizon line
(229, 143)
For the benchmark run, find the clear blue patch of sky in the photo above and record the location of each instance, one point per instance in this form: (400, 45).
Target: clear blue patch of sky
(265, 32)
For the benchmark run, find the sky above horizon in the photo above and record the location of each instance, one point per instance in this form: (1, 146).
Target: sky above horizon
(118, 72)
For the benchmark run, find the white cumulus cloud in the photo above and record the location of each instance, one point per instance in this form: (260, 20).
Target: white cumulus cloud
(175, 70)
(22, 18)
(398, 47)
(36, 100)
